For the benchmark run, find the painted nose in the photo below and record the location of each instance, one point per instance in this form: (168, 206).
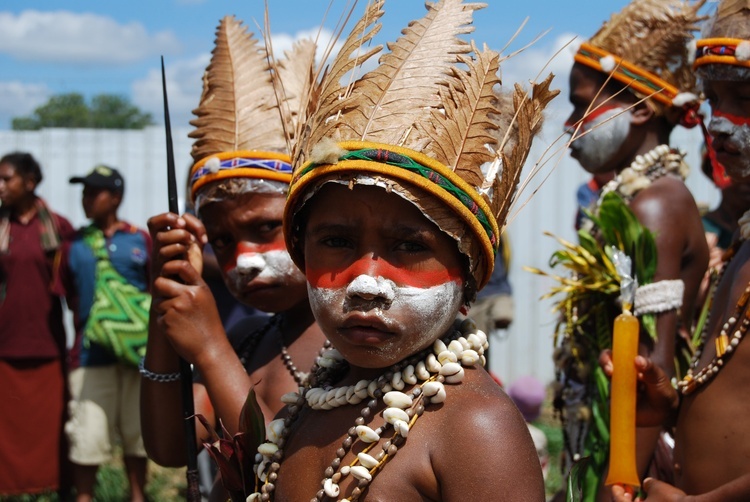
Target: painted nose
(372, 288)
(250, 263)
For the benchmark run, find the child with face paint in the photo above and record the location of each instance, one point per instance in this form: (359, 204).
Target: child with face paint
(239, 184)
(711, 438)
(630, 85)
(394, 235)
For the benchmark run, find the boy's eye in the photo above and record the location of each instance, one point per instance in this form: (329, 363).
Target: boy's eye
(269, 226)
(335, 242)
(221, 242)
(411, 247)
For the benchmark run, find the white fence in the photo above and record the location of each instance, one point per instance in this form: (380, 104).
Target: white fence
(525, 348)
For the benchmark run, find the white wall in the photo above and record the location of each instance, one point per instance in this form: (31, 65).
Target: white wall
(525, 348)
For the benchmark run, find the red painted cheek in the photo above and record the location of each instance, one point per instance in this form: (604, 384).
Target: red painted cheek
(734, 119)
(251, 248)
(590, 117)
(321, 277)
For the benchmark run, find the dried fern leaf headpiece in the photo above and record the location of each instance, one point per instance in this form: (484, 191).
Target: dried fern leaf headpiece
(423, 124)
(647, 47)
(249, 109)
(727, 40)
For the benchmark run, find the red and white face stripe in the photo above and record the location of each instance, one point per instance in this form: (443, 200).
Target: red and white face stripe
(600, 136)
(425, 301)
(266, 262)
(731, 135)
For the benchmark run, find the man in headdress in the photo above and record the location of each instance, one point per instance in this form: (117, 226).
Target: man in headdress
(711, 436)
(401, 408)
(631, 84)
(238, 183)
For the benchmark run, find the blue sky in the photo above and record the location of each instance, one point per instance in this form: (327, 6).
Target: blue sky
(96, 47)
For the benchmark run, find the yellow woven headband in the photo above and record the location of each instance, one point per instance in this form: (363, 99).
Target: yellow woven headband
(241, 164)
(632, 76)
(406, 166)
(721, 51)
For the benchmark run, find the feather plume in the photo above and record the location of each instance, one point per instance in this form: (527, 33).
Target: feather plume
(333, 98)
(238, 108)
(731, 7)
(529, 117)
(463, 132)
(654, 34)
(295, 87)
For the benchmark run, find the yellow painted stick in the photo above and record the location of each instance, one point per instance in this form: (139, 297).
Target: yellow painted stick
(622, 463)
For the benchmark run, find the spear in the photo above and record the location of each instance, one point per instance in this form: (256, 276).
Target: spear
(188, 407)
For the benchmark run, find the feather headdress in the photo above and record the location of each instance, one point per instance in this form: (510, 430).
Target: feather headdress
(646, 47)
(250, 109)
(425, 124)
(727, 39)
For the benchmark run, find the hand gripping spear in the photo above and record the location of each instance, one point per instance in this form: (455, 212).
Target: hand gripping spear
(188, 408)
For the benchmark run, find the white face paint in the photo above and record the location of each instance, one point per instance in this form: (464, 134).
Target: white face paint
(417, 316)
(737, 139)
(273, 266)
(599, 139)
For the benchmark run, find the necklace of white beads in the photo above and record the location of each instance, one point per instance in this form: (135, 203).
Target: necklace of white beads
(425, 373)
(647, 168)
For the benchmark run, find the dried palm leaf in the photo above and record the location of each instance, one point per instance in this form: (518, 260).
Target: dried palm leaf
(238, 108)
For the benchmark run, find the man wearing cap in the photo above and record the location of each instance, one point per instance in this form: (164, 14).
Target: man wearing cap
(105, 391)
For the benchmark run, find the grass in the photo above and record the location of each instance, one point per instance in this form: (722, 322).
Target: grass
(164, 485)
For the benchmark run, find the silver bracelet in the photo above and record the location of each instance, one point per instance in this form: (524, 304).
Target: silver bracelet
(158, 377)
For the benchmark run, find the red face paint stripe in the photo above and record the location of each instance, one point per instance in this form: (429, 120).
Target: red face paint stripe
(598, 112)
(327, 278)
(249, 248)
(734, 119)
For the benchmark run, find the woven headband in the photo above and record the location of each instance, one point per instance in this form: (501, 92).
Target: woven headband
(242, 164)
(411, 167)
(719, 51)
(633, 76)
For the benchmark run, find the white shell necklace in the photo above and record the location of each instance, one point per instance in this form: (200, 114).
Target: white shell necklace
(426, 373)
(645, 169)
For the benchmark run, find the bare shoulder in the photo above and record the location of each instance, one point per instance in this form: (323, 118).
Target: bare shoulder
(667, 195)
(488, 447)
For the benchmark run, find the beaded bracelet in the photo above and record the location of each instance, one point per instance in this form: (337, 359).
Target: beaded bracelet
(158, 377)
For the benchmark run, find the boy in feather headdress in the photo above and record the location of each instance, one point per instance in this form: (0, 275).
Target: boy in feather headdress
(395, 225)
(239, 183)
(708, 410)
(631, 84)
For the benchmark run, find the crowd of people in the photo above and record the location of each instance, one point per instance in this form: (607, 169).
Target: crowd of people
(357, 227)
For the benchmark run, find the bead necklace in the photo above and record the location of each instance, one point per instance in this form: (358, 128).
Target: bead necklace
(251, 343)
(725, 344)
(646, 169)
(427, 373)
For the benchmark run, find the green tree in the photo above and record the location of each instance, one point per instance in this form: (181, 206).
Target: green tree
(106, 111)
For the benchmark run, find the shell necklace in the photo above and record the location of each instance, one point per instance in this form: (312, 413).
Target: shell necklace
(739, 322)
(426, 373)
(645, 169)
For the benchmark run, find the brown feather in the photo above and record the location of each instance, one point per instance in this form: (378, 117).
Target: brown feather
(464, 128)
(294, 79)
(529, 117)
(654, 35)
(238, 108)
(731, 7)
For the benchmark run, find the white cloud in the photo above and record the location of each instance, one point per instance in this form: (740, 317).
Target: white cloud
(184, 78)
(83, 38)
(18, 99)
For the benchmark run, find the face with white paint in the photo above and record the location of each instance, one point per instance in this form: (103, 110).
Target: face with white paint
(245, 234)
(730, 125)
(600, 121)
(384, 282)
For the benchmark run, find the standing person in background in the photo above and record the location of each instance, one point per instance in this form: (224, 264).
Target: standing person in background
(493, 309)
(588, 193)
(32, 336)
(630, 85)
(105, 389)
